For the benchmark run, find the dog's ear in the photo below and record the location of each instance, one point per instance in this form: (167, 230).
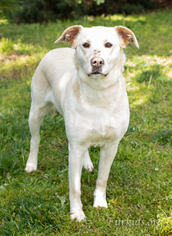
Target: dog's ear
(70, 34)
(126, 36)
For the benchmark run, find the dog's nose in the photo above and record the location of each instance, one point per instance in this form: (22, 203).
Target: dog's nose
(97, 61)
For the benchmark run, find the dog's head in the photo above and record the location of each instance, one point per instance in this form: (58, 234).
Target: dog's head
(97, 48)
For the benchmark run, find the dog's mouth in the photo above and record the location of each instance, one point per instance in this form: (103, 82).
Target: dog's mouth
(97, 74)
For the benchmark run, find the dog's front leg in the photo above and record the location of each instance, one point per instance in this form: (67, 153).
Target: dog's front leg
(107, 155)
(76, 155)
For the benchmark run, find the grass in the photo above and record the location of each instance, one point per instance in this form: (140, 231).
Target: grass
(139, 190)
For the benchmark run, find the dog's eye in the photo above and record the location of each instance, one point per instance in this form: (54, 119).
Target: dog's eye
(86, 45)
(108, 45)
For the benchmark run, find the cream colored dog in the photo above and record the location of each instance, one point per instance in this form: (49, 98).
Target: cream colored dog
(87, 87)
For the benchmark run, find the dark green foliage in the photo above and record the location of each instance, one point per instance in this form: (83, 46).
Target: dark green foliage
(7, 7)
(50, 10)
(45, 10)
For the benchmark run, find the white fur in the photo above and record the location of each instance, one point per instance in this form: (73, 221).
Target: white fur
(95, 107)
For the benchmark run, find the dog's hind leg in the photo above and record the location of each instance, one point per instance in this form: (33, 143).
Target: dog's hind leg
(36, 117)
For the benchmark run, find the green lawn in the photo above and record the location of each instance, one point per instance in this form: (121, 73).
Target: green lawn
(139, 190)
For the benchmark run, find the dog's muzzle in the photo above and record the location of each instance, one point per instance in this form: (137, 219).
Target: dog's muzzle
(97, 63)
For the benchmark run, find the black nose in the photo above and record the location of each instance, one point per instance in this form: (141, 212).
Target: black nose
(97, 62)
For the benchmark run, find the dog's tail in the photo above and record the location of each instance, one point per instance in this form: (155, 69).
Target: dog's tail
(53, 111)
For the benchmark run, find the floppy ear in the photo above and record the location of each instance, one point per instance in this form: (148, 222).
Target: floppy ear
(70, 34)
(126, 36)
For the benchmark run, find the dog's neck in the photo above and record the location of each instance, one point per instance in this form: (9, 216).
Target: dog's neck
(104, 91)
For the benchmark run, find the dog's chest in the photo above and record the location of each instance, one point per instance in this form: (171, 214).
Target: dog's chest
(103, 124)
(104, 127)
(97, 118)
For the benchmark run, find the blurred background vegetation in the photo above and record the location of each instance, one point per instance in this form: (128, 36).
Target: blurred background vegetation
(31, 11)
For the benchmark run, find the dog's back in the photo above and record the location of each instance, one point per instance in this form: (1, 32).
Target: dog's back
(49, 73)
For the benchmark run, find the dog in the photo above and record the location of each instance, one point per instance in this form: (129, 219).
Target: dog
(86, 85)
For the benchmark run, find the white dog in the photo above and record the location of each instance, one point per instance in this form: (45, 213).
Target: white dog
(87, 87)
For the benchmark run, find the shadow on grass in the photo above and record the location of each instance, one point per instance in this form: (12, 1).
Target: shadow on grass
(153, 72)
(155, 110)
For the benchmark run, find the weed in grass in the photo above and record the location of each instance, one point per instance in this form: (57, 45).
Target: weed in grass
(139, 188)
(6, 46)
(163, 137)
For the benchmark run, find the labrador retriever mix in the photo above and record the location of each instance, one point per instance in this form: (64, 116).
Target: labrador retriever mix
(86, 85)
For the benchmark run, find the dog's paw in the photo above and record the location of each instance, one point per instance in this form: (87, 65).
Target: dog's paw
(89, 167)
(100, 202)
(31, 167)
(79, 216)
